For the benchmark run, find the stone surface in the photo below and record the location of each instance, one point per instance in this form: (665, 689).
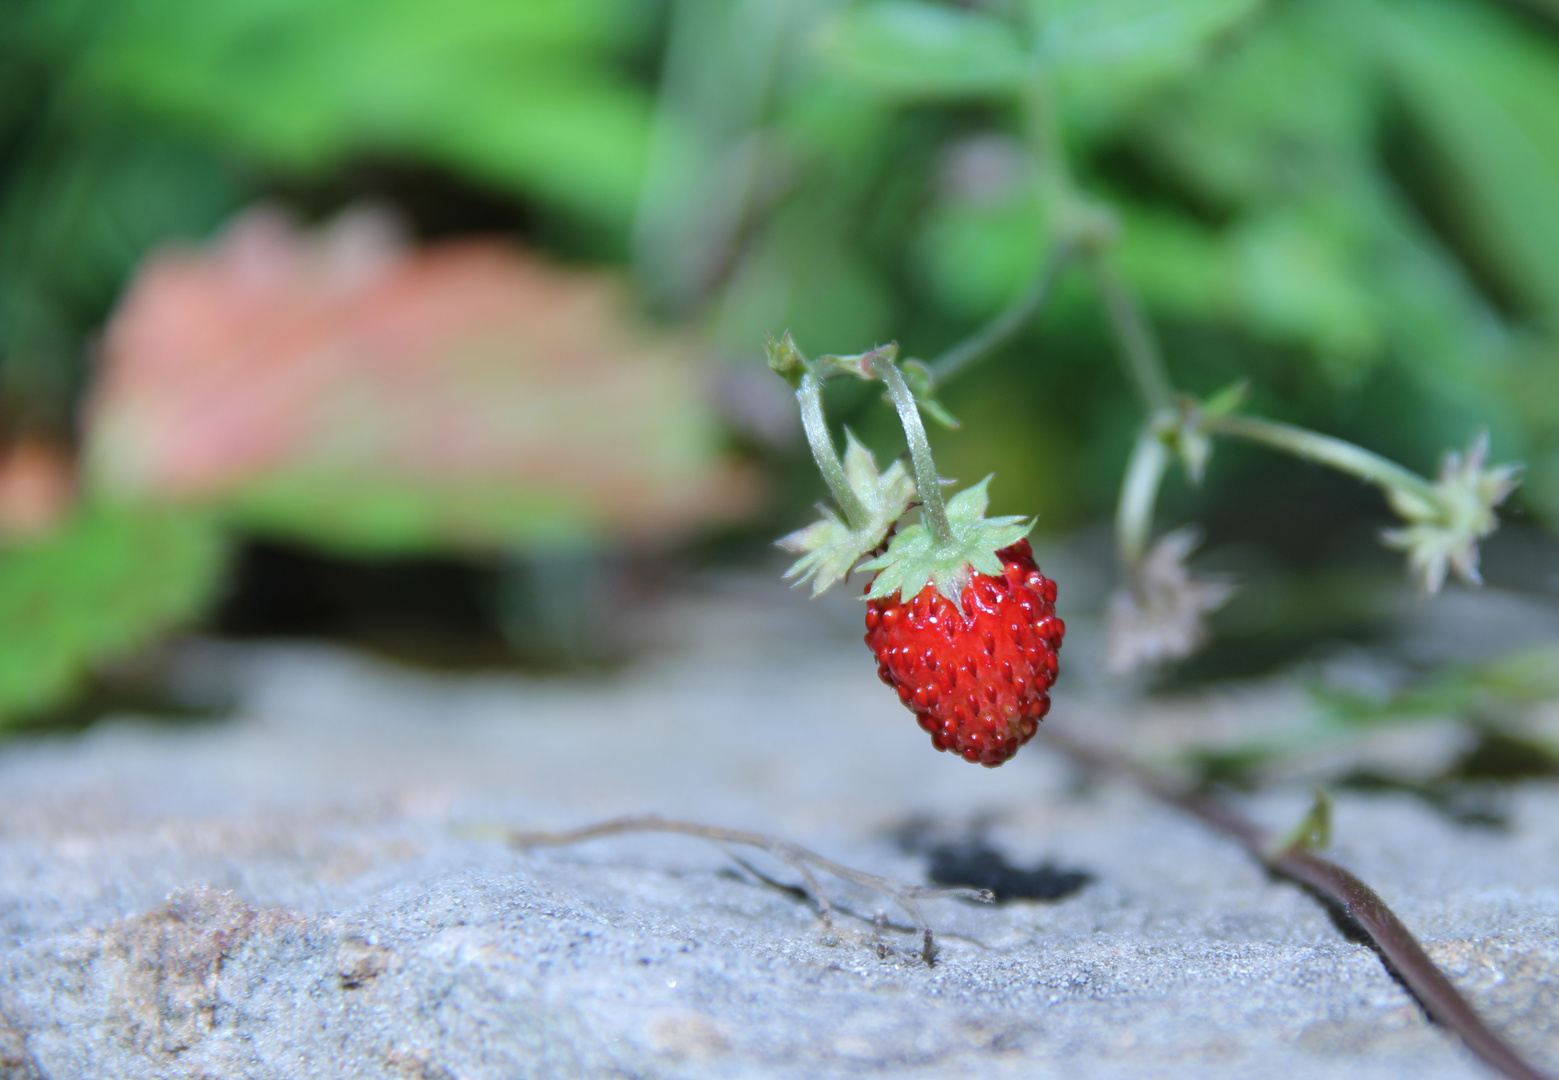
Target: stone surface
(317, 887)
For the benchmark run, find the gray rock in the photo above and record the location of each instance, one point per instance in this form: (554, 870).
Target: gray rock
(318, 887)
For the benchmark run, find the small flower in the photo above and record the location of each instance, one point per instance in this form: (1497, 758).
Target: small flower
(1159, 615)
(1444, 534)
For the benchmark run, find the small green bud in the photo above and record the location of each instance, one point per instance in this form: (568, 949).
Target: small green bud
(785, 360)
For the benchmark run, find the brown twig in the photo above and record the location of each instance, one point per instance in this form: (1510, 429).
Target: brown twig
(1357, 901)
(793, 855)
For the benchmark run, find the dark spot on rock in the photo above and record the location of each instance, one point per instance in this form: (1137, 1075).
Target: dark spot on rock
(977, 865)
(965, 858)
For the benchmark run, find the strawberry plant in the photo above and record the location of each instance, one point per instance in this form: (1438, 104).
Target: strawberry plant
(960, 619)
(964, 628)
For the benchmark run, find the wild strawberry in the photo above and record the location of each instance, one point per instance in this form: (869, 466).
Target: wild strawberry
(978, 681)
(973, 651)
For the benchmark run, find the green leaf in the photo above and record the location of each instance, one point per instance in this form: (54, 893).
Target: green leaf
(967, 508)
(1285, 109)
(912, 49)
(1089, 33)
(1485, 90)
(523, 95)
(109, 582)
(1529, 674)
(1314, 831)
(802, 274)
(981, 243)
(1109, 54)
(92, 196)
(1299, 275)
(1225, 401)
(1298, 280)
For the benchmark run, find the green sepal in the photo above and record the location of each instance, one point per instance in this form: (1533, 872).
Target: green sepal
(921, 383)
(1444, 535)
(829, 546)
(1184, 430)
(1225, 401)
(914, 559)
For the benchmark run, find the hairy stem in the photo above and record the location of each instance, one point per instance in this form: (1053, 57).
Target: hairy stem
(1139, 493)
(933, 510)
(1356, 900)
(1134, 338)
(810, 395)
(1325, 450)
(996, 332)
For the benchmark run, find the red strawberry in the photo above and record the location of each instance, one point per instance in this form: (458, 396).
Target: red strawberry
(979, 684)
(973, 652)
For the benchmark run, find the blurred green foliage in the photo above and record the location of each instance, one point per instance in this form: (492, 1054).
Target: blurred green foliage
(94, 591)
(1341, 187)
(129, 123)
(517, 94)
(1348, 202)
(1353, 203)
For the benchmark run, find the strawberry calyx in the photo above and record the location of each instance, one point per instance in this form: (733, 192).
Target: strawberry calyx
(917, 556)
(953, 540)
(832, 545)
(870, 502)
(1443, 533)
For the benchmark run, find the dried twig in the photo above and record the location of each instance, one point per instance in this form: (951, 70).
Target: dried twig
(1356, 900)
(793, 855)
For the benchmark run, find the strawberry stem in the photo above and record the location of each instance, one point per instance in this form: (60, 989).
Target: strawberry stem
(1134, 336)
(1326, 450)
(1139, 493)
(810, 395)
(933, 510)
(1008, 322)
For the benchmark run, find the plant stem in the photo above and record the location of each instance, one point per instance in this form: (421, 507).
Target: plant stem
(1139, 492)
(994, 333)
(1338, 888)
(933, 510)
(1134, 337)
(1325, 450)
(810, 396)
